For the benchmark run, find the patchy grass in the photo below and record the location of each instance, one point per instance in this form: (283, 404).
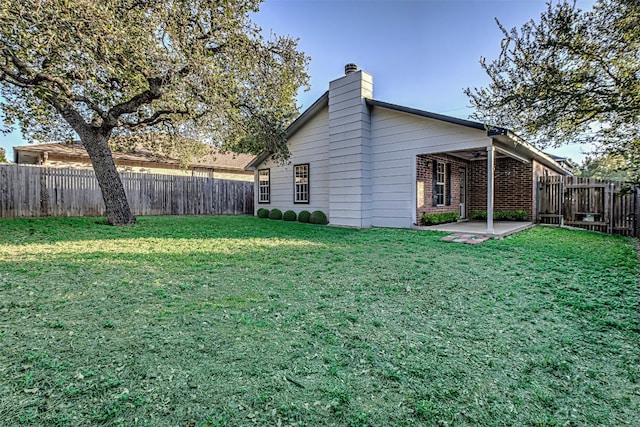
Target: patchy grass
(215, 321)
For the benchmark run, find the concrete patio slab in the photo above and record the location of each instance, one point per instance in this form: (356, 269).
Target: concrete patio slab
(500, 228)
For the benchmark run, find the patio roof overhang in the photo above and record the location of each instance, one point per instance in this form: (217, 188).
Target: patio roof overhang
(504, 143)
(509, 145)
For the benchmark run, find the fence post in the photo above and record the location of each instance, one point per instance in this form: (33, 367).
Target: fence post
(611, 202)
(44, 194)
(636, 217)
(560, 202)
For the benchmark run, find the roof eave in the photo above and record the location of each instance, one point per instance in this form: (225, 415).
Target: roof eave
(303, 118)
(257, 161)
(298, 123)
(537, 154)
(427, 114)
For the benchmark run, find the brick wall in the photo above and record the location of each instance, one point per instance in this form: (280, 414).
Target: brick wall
(513, 186)
(424, 183)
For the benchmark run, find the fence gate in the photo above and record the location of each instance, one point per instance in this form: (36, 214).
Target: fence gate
(593, 204)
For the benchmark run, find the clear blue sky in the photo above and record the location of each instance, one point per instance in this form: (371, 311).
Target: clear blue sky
(421, 53)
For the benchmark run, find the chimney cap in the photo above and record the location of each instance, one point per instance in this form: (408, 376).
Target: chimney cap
(350, 68)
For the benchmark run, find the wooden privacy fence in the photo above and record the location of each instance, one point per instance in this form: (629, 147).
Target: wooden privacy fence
(593, 204)
(31, 191)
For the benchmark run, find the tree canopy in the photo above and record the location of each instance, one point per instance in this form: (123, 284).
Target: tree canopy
(572, 76)
(610, 167)
(3, 156)
(194, 68)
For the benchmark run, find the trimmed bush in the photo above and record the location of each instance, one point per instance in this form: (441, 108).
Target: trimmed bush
(318, 217)
(439, 218)
(289, 216)
(304, 216)
(275, 214)
(518, 215)
(481, 215)
(263, 213)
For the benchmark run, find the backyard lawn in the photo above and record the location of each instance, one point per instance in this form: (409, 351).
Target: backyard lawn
(215, 321)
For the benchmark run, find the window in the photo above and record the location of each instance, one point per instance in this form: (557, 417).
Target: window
(440, 185)
(301, 183)
(264, 186)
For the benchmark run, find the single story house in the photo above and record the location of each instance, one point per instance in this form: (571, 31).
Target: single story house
(214, 164)
(365, 162)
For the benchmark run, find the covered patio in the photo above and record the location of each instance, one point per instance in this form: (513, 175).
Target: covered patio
(499, 176)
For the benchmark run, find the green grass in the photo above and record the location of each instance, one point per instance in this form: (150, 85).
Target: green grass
(215, 321)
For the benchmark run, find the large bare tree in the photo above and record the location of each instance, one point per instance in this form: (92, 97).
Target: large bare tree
(570, 76)
(95, 69)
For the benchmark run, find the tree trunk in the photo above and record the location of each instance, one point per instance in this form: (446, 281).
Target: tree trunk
(115, 199)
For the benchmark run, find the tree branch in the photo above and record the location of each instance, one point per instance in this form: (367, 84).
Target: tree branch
(38, 77)
(132, 105)
(157, 118)
(70, 114)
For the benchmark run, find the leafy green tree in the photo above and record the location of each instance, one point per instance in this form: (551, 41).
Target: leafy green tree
(572, 76)
(3, 156)
(609, 167)
(191, 68)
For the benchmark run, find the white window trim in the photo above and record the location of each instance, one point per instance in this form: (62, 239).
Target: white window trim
(266, 186)
(441, 184)
(301, 188)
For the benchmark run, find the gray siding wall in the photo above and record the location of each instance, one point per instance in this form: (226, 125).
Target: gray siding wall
(350, 193)
(309, 145)
(397, 138)
(363, 161)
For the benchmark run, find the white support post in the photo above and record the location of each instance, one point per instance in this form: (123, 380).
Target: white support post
(490, 169)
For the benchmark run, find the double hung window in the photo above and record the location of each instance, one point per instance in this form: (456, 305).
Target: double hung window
(264, 186)
(440, 185)
(301, 183)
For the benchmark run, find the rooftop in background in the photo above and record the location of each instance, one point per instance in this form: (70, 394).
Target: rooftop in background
(215, 163)
(563, 161)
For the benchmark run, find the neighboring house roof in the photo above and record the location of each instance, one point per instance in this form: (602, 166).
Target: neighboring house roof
(565, 161)
(496, 132)
(214, 159)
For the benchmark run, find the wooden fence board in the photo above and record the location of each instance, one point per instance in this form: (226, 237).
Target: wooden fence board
(32, 191)
(592, 204)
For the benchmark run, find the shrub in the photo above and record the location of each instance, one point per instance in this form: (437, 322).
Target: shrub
(439, 218)
(318, 217)
(506, 215)
(263, 213)
(304, 216)
(275, 214)
(482, 215)
(518, 215)
(289, 216)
